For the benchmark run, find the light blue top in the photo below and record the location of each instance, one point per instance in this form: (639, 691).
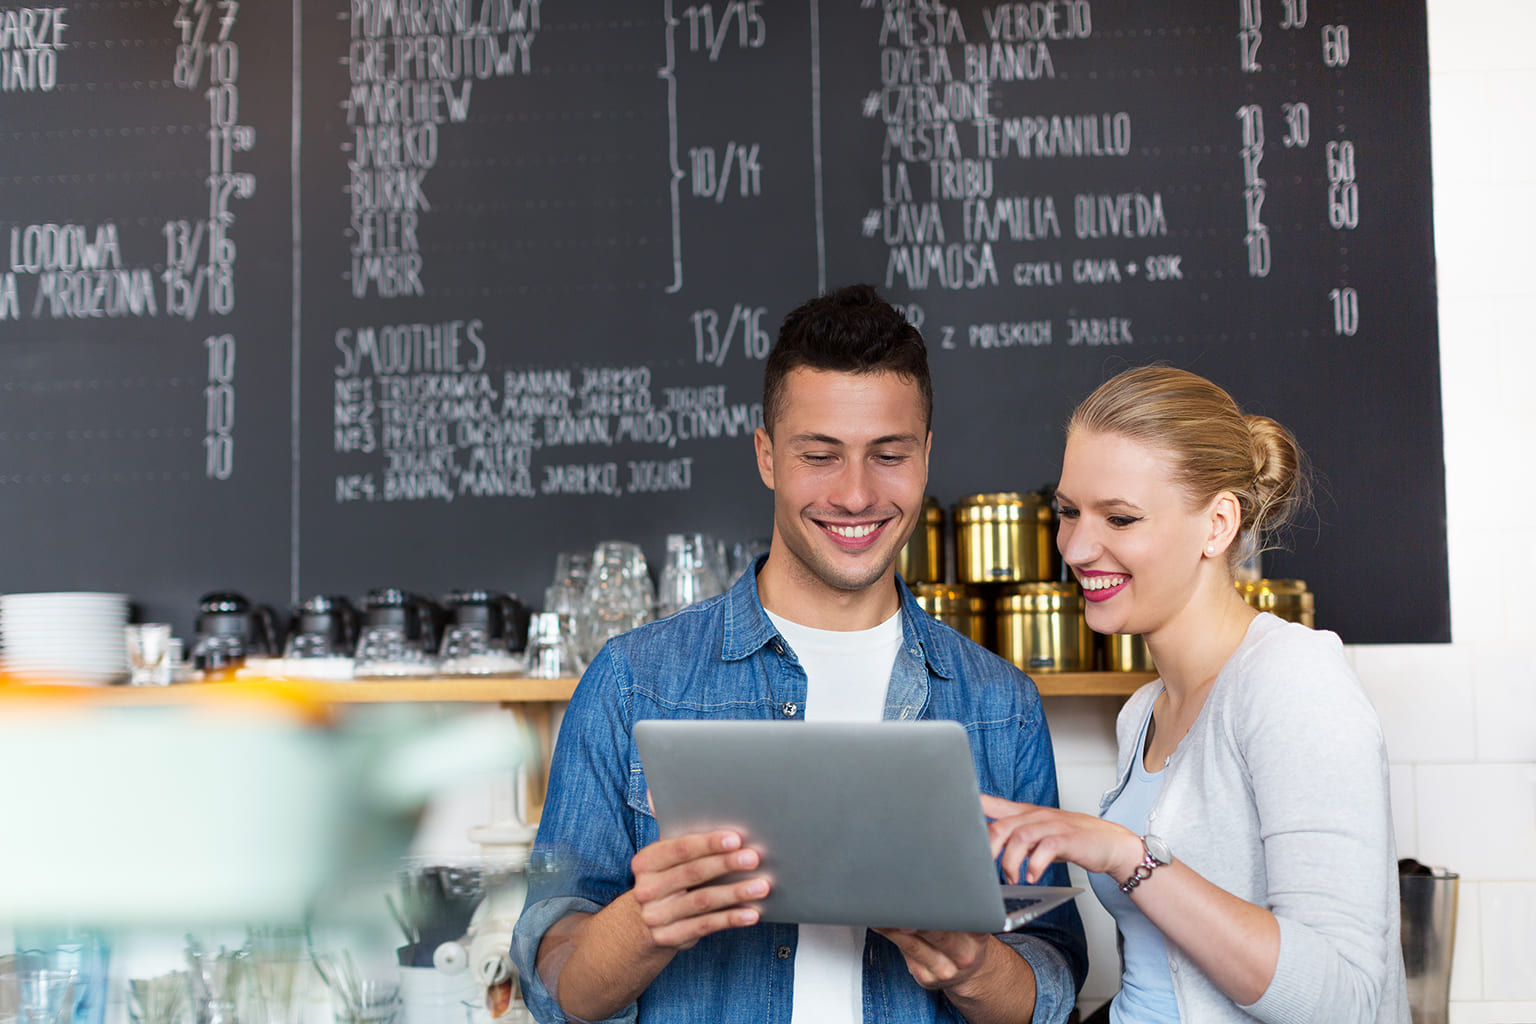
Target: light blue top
(723, 658)
(1146, 986)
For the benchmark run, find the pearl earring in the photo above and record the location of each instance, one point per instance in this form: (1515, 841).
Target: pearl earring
(1210, 549)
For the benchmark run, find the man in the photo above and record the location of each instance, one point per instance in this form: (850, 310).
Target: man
(632, 928)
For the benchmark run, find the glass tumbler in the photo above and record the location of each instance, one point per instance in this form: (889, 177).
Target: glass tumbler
(44, 995)
(617, 598)
(159, 1000)
(149, 653)
(689, 575)
(550, 655)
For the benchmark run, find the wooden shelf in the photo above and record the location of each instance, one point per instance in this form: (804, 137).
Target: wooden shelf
(491, 689)
(501, 689)
(315, 693)
(1090, 684)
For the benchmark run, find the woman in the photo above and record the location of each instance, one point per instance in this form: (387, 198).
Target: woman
(1246, 849)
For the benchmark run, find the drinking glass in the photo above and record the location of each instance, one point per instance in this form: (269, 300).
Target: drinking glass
(360, 996)
(149, 653)
(689, 575)
(44, 995)
(744, 553)
(618, 595)
(376, 1001)
(565, 594)
(270, 988)
(80, 952)
(212, 980)
(550, 655)
(159, 1000)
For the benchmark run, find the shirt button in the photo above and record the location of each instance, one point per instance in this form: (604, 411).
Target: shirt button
(789, 709)
(783, 952)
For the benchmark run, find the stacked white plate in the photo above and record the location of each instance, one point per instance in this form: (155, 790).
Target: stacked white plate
(73, 637)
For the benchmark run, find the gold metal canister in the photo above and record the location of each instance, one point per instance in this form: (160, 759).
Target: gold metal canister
(1289, 599)
(1040, 627)
(966, 608)
(1004, 538)
(921, 559)
(1127, 652)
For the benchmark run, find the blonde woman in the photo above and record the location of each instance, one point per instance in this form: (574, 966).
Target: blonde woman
(1246, 848)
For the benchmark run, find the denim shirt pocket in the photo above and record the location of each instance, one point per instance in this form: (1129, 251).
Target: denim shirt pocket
(643, 827)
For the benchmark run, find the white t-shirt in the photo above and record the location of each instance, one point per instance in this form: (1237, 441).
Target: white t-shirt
(847, 675)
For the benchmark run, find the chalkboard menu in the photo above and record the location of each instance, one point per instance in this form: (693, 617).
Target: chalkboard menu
(494, 279)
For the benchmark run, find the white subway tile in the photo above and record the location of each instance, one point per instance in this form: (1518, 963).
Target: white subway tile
(1504, 684)
(1082, 728)
(1469, 344)
(1404, 809)
(1475, 35)
(1479, 238)
(1082, 783)
(1481, 614)
(1478, 819)
(1423, 696)
(1469, 130)
(1492, 1013)
(1509, 940)
(1467, 953)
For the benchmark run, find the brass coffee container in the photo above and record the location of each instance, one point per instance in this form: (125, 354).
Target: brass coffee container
(1289, 599)
(1040, 627)
(921, 559)
(1004, 538)
(966, 608)
(1126, 652)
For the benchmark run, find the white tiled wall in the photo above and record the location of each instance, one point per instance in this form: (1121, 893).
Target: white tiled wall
(1460, 719)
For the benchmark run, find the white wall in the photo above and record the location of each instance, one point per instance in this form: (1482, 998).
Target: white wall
(1460, 718)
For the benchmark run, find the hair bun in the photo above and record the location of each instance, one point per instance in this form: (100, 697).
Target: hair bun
(1277, 471)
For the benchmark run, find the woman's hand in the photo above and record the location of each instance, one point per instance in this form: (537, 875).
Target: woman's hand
(1044, 835)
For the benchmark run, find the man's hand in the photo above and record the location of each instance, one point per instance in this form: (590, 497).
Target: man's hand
(939, 960)
(677, 902)
(982, 978)
(596, 964)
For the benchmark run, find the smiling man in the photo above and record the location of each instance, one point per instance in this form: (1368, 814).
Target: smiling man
(637, 928)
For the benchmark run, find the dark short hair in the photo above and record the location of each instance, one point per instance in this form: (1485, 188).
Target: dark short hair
(849, 330)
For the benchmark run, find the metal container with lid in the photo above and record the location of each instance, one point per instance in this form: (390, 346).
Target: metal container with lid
(966, 608)
(1289, 599)
(1127, 652)
(921, 559)
(1004, 538)
(1040, 627)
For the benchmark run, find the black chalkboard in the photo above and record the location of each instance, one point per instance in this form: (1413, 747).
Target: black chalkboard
(503, 272)
(146, 342)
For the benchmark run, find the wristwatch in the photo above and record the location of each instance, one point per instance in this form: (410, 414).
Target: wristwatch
(1155, 854)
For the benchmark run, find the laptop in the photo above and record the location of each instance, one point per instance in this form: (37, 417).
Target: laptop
(876, 824)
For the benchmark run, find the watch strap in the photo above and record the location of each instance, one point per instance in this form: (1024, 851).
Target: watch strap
(1143, 870)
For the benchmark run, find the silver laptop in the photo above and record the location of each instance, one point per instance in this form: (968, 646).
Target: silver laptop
(875, 824)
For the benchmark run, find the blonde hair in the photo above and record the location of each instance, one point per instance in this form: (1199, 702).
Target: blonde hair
(1214, 446)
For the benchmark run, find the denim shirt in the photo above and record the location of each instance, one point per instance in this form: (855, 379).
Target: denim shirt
(723, 658)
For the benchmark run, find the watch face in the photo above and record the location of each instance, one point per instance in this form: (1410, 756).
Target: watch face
(1158, 849)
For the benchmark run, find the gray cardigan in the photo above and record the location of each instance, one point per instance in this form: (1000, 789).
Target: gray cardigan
(1279, 795)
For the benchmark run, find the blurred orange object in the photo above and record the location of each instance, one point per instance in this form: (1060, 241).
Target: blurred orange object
(299, 702)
